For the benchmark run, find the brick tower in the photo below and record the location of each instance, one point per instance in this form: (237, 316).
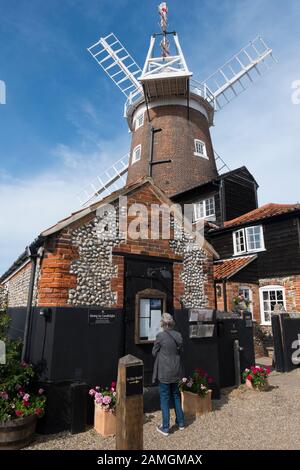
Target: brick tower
(170, 120)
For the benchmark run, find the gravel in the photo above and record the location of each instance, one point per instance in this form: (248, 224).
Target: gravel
(242, 419)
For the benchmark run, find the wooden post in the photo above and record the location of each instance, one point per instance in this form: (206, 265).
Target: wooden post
(237, 363)
(130, 404)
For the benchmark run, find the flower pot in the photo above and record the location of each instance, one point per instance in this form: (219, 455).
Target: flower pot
(17, 433)
(194, 405)
(104, 421)
(261, 388)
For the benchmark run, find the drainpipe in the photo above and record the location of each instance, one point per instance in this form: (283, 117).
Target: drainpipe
(34, 253)
(225, 296)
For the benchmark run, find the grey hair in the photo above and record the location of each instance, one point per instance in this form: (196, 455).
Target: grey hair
(167, 322)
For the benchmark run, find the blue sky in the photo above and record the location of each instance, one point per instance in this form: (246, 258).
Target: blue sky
(63, 123)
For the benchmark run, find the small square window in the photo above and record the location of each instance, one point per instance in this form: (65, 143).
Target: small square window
(139, 121)
(200, 149)
(136, 154)
(205, 208)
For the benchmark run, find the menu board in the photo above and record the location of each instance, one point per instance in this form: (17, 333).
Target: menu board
(200, 314)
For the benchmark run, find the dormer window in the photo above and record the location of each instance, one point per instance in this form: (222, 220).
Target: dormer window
(204, 209)
(136, 154)
(139, 121)
(248, 240)
(200, 149)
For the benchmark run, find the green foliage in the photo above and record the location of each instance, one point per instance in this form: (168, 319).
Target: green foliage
(17, 398)
(198, 383)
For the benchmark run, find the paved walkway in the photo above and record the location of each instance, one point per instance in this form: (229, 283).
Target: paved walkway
(242, 419)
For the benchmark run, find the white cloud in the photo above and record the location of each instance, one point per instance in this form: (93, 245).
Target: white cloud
(28, 206)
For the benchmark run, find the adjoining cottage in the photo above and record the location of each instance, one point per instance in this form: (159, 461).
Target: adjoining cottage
(260, 259)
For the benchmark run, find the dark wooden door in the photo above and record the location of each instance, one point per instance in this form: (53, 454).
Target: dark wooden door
(141, 274)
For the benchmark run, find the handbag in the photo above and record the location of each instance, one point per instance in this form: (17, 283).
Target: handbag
(177, 345)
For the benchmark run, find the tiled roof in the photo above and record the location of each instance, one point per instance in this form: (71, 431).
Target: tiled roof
(263, 212)
(225, 269)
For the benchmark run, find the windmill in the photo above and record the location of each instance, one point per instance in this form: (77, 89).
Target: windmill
(157, 149)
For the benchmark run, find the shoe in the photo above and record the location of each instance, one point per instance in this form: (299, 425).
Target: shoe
(181, 428)
(160, 429)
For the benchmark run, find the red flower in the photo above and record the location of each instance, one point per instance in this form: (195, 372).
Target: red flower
(249, 377)
(26, 403)
(38, 411)
(113, 384)
(19, 412)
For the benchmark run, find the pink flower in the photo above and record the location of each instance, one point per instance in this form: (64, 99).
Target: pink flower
(18, 413)
(26, 397)
(24, 365)
(41, 391)
(113, 384)
(98, 398)
(189, 384)
(97, 388)
(92, 392)
(106, 400)
(4, 395)
(184, 380)
(21, 392)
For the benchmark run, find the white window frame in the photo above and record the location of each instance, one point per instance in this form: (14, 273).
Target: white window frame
(200, 154)
(134, 153)
(139, 120)
(203, 201)
(263, 289)
(236, 252)
(242, 289)
(244, 232)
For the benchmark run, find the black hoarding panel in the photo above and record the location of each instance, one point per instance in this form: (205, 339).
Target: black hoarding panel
(291, 342)
(17, 322)
(277, 339)
(198, 352)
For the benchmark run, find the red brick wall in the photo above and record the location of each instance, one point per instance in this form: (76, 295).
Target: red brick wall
(291, 285)
(232, 289)
(55, 278)
(176, 142)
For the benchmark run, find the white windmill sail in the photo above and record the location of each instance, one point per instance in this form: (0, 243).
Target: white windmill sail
(117, 63)
(110, 180)
(240, 71)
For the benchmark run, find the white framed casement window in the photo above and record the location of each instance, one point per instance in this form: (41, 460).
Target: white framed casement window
(272, 299)
(136, 154)
(248, 240)
(239, 242)
(139, 121)
(200, 149)
(204, 208)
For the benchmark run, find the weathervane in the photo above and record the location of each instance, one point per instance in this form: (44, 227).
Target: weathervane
(164, 45)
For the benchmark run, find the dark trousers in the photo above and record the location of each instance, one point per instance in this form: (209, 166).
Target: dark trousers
(166, 392)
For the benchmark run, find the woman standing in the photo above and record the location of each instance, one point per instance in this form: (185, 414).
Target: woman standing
(168, 371)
